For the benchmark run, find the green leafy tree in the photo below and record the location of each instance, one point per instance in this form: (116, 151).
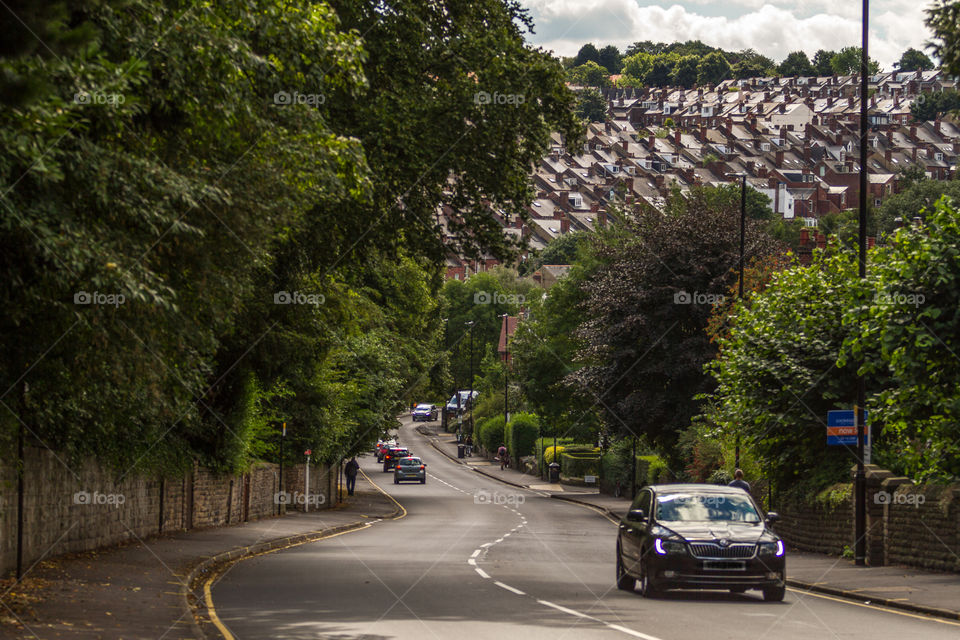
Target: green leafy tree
(638, 65)
(822, 62)
(645, 342)
(684, 73)
(713, 69)
(911, 320)
(847, 62)
(661, 71)
(591, 105)
(587, 53)
(609, 57)
(797, 64)
(943, 19)
(914, 60)
(916, 201)
(590, 74)
(932, 105)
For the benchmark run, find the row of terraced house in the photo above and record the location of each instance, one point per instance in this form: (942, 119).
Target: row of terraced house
(797, 140)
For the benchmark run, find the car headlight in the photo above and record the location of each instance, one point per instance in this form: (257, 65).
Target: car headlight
(771, 549)
(665, 547)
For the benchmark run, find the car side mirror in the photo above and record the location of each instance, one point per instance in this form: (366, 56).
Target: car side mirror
(636, 514)
(772, 516)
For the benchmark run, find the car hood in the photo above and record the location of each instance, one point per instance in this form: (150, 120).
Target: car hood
(732, 531)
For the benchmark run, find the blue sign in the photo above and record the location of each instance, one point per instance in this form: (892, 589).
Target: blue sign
(845, 418)
(847, 441)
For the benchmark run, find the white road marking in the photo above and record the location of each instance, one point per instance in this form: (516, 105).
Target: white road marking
(483, 574)
(475, 553)
(486, 544)
(571, 612)
(631, 632)
(509, 588)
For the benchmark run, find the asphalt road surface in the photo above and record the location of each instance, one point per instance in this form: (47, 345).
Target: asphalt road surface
(474, 558)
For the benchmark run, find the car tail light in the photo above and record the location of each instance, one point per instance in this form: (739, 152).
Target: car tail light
(422, 467)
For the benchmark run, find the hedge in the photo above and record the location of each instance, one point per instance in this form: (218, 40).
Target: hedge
(521, 434)
(580, 464)
(490, 433)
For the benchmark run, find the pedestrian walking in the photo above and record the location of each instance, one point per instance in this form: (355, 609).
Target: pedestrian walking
(351, 472)
(469, 446)
(502, 456)
(738, 481)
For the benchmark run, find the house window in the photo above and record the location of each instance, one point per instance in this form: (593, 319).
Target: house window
(877, 202)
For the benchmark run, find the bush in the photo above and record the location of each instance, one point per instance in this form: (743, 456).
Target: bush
(490, 433)
(579, 465)
(650, 469)
(549, 455)
(521, 434)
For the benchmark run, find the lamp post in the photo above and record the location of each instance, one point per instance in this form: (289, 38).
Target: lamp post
(506, 368)
(743, 235)
(860, 483)
(469, 323)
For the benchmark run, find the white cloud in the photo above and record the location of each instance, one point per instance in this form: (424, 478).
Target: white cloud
(772, 27)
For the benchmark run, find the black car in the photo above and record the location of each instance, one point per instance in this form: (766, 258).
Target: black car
(391, 456)
(696, 536)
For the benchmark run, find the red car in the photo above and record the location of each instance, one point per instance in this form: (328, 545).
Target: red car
(392, 455)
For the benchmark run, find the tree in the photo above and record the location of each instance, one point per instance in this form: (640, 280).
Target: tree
(609, 57)
(646, 46)
(587, 53)
(931, 105)
(914, 60)
(684, 73)
(847, 62)
(591, 105)
(797, 64)
(777, 373)
(638, 65)
(645, 342)
(906, 330)
(661, 71)
(822, 62)
(916, 200)
(944, 20)
(590, 74)
(713, 69)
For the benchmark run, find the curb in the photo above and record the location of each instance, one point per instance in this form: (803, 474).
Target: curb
(880, 602)
(458, 461)
(203, 625)
(818, 588)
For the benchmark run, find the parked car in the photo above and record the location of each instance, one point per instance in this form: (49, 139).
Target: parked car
(426, 412)
(696, 536)
(392, 455)
(456, 406)
(410, 468)
(382, 447)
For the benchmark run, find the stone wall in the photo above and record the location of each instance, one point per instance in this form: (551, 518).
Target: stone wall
(906, 524)
(86, 507)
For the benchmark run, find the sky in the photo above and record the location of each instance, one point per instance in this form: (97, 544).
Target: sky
(771, 27)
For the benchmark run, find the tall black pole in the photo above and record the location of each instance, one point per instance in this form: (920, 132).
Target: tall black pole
(743, 236)
(20, 473)
(860, 542)
(283, 434)
(470, 399)
(506, 368)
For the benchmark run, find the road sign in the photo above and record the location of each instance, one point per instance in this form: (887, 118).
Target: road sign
(845, 418)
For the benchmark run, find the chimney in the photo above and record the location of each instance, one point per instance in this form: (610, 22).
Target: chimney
(888, 155)
(806, 153)
(750, 166)
(564, 225)
(703, 134)
(850, 103)
(728, 126)
(829, 102)
(594, 207)
(676, 138)
(779, 159)
(629, 184)
(783, 107)
(652, 142)
(913, 133)
(936, 125)
(914, 154)
(660, 180)
(804, 236)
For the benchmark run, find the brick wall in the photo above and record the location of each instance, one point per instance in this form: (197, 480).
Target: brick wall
(816, 526)
(87, 507)
(907, 524)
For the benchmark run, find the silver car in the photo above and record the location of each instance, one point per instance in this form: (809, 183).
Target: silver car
(410, 468)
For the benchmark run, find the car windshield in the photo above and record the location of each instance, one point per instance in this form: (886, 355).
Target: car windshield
(688, 507)
(425, 407)
(410, 462)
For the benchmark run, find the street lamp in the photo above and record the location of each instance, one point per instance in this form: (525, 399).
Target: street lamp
(743, 235)
(860, 481)
(469, 323)
(506, 367)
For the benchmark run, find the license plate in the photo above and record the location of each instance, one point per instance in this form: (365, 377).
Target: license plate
(724, 565)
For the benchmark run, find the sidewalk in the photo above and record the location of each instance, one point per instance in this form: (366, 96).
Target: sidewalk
(905, 588)
(154, 588)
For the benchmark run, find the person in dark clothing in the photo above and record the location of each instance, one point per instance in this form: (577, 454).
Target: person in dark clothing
(351, 472)
(738, 481)
(469, 445)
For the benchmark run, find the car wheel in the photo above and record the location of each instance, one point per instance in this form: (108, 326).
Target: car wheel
(648, 588)
(625, 581)
(774, 594)
(423, 481)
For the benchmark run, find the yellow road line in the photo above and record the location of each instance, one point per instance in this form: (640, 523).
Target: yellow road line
(899, 612)
(403, 511)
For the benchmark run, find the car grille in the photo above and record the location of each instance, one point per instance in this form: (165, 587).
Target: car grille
(714, 550)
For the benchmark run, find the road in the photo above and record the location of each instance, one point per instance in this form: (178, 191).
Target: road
(474, 558)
